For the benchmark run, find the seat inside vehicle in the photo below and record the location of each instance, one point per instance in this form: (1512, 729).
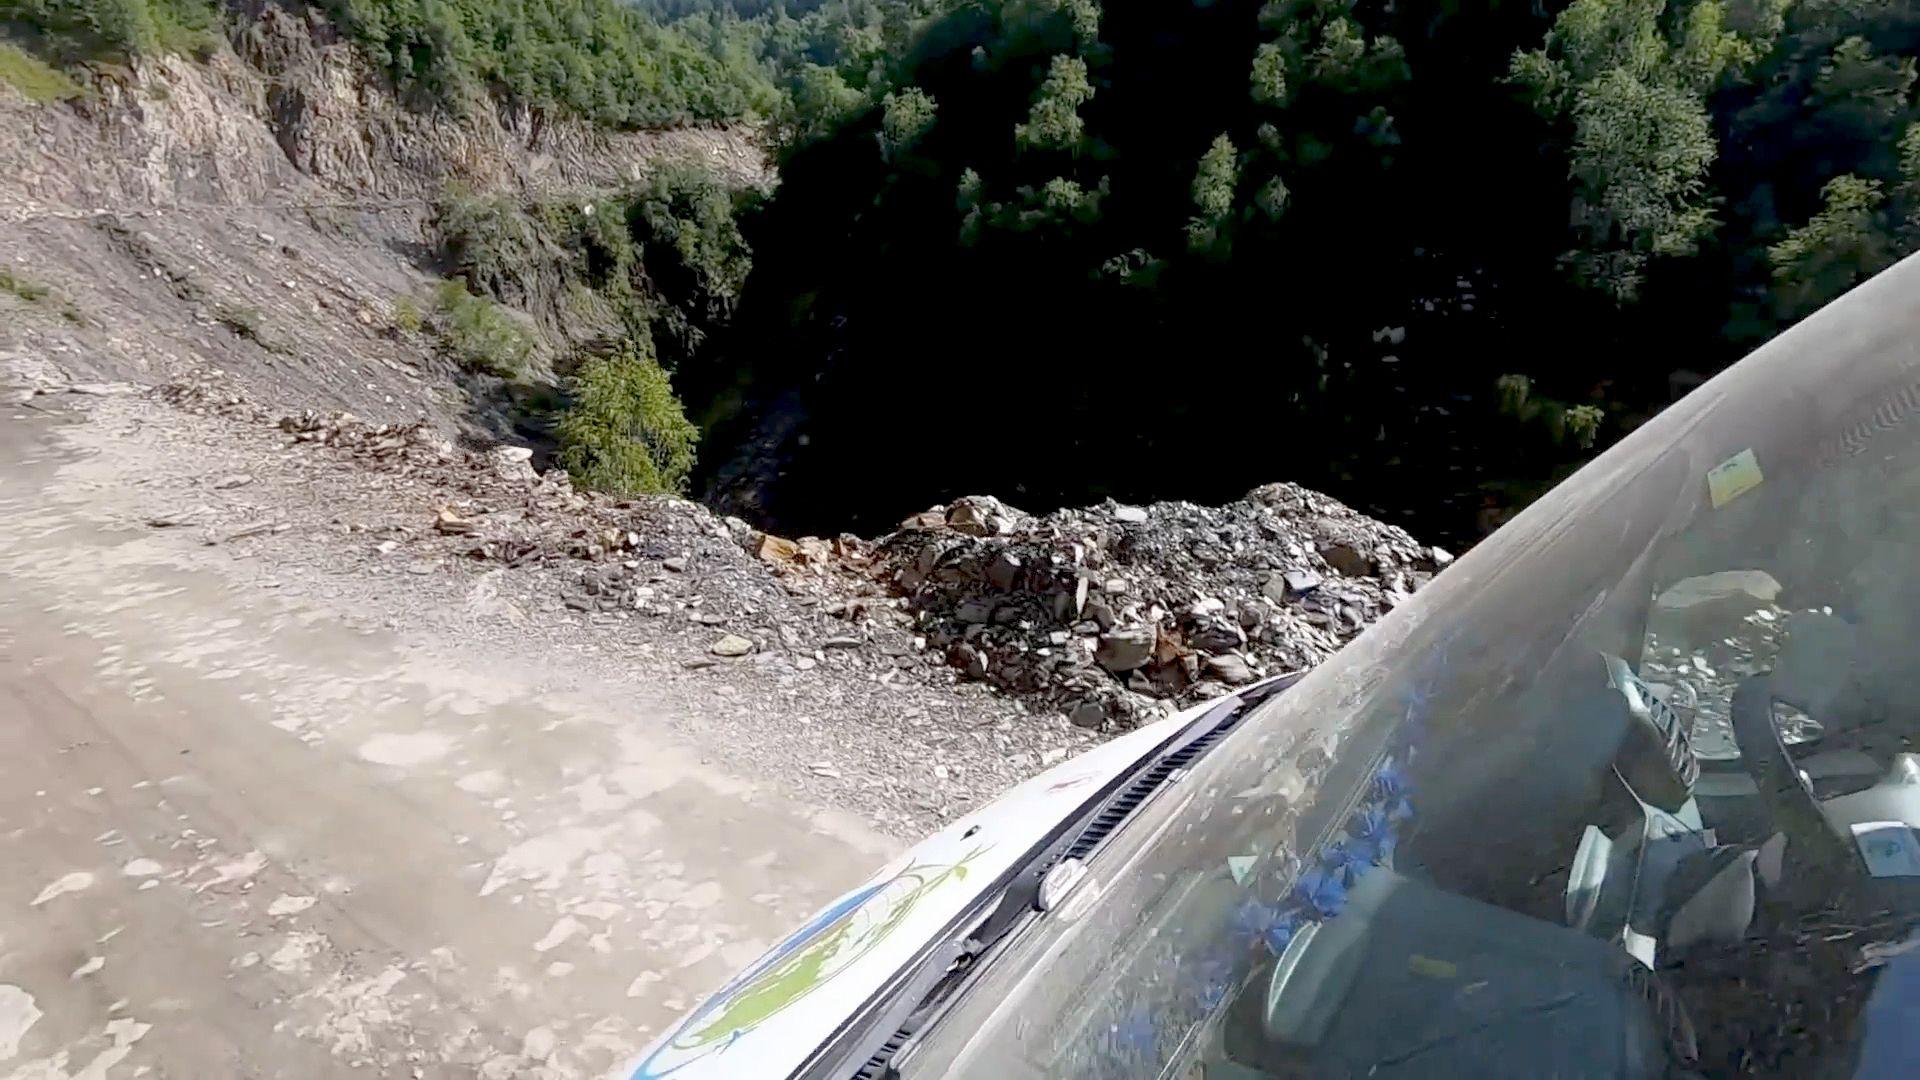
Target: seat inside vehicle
(1413, 981)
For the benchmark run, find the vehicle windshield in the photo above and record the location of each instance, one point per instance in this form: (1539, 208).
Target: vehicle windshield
(1627, 791)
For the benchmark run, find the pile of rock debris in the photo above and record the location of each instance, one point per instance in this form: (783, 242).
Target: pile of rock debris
(1108, 615)
(1113, 612)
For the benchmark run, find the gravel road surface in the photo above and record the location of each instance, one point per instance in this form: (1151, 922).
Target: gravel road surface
(243, 834)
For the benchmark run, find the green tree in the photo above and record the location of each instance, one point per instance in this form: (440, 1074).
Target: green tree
(624, 432)
(483, 335)
(685, 221)
(819, 100)
(1270, 74)
(1054, 122)
(1213, 184)
(1641, 142)
(1870, 88)
(1085, 17)
(905, 117)
(1845, 243)
(1213, 181)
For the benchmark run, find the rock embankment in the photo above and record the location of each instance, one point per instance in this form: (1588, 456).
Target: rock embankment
(1107, 615)
(1112, 613)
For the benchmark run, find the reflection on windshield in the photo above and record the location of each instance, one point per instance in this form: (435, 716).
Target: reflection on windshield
(1631, 790)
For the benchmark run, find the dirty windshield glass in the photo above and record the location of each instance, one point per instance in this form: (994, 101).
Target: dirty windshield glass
(1631, 791)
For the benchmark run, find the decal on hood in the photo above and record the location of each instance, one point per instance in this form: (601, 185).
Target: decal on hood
(828, 944)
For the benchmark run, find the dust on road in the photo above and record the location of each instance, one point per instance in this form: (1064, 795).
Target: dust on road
(240, 836)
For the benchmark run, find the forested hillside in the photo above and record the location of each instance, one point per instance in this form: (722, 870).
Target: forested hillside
(1428, 256)
(602, 60)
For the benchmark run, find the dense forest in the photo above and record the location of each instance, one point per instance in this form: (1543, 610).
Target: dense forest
(1427, 256)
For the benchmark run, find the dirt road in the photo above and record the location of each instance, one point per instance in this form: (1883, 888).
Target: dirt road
(243, 836)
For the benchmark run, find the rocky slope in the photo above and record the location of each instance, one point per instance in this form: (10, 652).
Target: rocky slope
(260, 214)
(1101, 618)
(291, 115)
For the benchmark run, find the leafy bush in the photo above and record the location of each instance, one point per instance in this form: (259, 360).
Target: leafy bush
(905, 116)
(1842, 245)
(495, 244)
(481, 334)
(33, 292)
(243, 321)
(73, 30)
(684, 219)
(25, 288)
(572, 264)
(625, 432)
(407, 317)
(34, 77)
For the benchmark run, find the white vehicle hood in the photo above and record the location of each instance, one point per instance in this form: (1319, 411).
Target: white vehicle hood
(770, 1018)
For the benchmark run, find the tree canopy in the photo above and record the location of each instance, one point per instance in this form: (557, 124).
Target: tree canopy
(603, 60)
(1185, 248)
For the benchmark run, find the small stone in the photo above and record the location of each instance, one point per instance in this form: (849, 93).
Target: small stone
(975, 611)
(1090, 713)
(1229, 669)
(513, 463)
(227, 483)
(1346, 559)
(677, 564)
(1441, 556)
(1004, 570)
(731, 645)
(1132, 515)
(970, 660)
(1217, 634)
(386, 547)
(452, 524)
(979, 515)
(1068, 604)
(842, 643)
(1100, 613)
(697, 663)
(776, 549)
(1123, 650)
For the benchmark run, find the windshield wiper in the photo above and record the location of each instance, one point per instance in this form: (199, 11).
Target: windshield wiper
(1085, 835)
(937, 978)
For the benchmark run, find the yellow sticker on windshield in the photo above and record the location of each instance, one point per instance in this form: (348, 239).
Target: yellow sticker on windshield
(1431, 968)
(1733, 478)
